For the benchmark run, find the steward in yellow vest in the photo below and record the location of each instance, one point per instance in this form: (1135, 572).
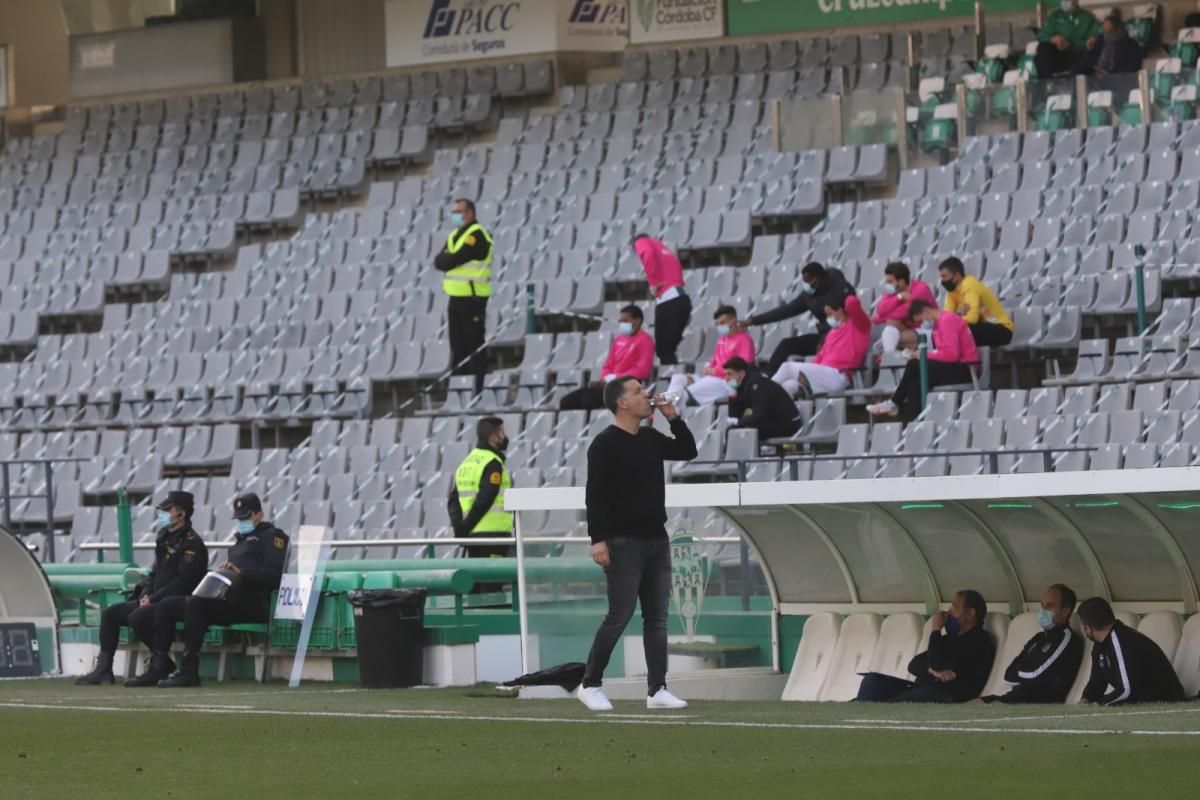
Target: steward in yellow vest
(476, 502)
(466, 261)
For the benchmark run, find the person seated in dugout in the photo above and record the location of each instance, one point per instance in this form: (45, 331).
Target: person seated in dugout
(953, 669)
(759, 402)
(1127, 666)
(631, 353)
(1046, 668)
(180, 561)
(710, 388)
(239, 591)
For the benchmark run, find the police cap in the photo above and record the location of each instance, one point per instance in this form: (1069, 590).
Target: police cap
(245, 505)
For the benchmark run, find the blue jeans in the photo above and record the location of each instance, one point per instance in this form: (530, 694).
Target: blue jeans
(639, 569)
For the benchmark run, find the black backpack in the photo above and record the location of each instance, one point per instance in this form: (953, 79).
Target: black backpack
(568, 676)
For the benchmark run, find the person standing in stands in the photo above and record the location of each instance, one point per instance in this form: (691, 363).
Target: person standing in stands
(631, 353)
(466, 261)
(1046, 668)
(711, 387)
(950, 358)
(954, 668)
(1066, 40)
(759, 402)
(820, 287)
(842, 352)
(899, 290)
(626, 516)
(476, 501)
(1125, 659)
(180, 561)
(978, 305)
(673, 308)
(255, 565)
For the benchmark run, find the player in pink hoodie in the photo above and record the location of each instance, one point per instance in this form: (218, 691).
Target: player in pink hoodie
(843, 351)
(950, 357)
(899, 290)
(711, 387)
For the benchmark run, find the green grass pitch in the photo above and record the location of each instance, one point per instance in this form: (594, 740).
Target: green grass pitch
(240, 740)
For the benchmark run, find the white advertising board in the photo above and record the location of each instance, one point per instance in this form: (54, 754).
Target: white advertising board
(433, 31)
(675, 20)
(304, 569)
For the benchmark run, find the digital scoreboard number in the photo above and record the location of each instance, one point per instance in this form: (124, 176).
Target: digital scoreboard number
(19, 654)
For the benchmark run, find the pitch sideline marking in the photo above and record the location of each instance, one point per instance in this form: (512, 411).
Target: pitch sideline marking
(603, 720)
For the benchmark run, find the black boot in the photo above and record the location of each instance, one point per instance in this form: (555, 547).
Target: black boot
(160, 667)
(188, 673)
(101, 674)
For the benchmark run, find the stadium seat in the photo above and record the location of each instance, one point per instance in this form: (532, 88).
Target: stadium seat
(813, 657)
(857, 640)
(1187, 657)
(900, 638)
(1165, 628)
(1022, 628)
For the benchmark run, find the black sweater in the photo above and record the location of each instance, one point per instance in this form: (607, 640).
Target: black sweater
(626, 489)
(1046, 668)
(969, 654)
(763, 404)
(834, 288)
(1135, 666)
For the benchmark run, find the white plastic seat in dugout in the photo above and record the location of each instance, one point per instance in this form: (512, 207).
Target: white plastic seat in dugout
(1187, 657)
(899, 640)
(852, 655)
(813, 657)
(1165, 629)
(1020, 630)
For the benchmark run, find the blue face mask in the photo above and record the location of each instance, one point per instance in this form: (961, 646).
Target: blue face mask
(927, 325)
(243, 526)
(951, 626)
(732, 383)
(890, 288)
(723, 330)
(164, 519)
(456, 219)
(807, 287)
(626, 328)
(1045, 619)
(833, 322)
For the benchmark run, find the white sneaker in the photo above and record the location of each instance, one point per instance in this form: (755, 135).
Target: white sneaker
(594, 698)
(664, 699)
(885, 409)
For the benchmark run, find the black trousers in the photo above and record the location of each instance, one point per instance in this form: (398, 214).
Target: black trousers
(489, 551)
(908, 394)
(585, 398)
(806, 345)
(670, 321)
(198, 613)
(1032, 693)
(989, 334)
(879, 688)
(466, 318)
(139, 618)
(639, 569)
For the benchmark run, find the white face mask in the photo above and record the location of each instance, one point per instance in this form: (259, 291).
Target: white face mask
(1066, 6)
(833, 322)
(723, 330)
(890, 288)
(927, 325)
(626, 328)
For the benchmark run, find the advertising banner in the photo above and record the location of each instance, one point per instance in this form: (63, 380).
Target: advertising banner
(432, 31)
(675, 20)
(757, 17)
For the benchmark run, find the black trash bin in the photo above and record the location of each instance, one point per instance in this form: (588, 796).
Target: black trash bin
(388, 624)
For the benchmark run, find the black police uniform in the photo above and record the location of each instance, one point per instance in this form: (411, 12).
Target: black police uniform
(1046, 668)
(1135, 666)
(180, 561)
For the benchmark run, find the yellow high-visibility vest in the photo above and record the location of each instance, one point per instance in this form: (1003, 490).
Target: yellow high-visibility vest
(466, 480)
(472, 279)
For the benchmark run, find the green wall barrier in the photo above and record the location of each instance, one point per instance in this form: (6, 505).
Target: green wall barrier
(759, 17)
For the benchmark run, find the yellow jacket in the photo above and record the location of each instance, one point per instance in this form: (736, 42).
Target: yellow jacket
(979, 301)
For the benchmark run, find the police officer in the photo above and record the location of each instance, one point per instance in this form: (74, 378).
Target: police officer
(476, 502)
(256, 558)
(467, 263)
(180, 560)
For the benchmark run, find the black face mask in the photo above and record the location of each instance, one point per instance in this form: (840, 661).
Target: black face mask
(949, 285)
(502, 445)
